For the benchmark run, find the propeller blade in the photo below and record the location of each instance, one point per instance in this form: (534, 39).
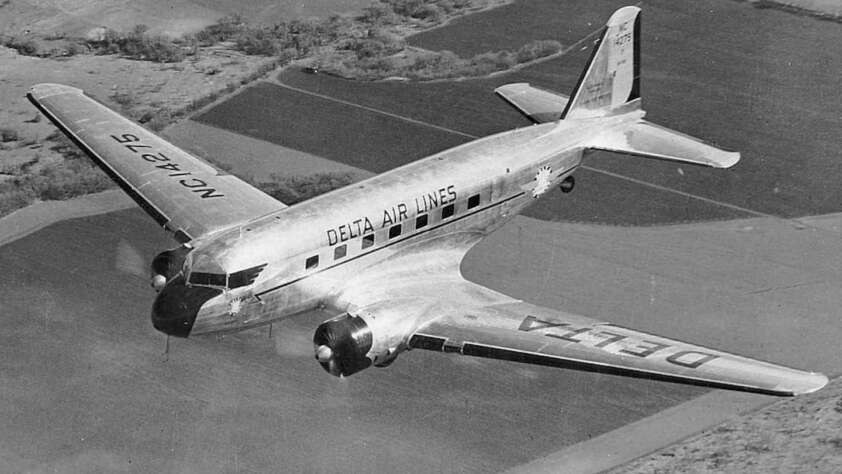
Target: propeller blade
(128, 259)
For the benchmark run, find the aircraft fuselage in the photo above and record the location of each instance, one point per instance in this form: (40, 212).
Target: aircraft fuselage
(306, 253)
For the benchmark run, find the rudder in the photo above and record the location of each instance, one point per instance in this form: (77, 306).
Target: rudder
(611, 78)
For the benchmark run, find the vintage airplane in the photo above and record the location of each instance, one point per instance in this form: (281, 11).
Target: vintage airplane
(384, 254)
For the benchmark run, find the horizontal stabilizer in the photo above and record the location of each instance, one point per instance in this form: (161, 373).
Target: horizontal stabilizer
(538, 105)
(652, 141)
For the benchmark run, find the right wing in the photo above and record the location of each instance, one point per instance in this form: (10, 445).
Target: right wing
(185, 195)
(536, 104)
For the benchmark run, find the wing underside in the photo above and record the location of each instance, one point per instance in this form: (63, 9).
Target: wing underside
(523, 332)
(184, 194)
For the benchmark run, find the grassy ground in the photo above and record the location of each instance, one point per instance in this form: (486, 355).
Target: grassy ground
(37, 163)
(171, 17)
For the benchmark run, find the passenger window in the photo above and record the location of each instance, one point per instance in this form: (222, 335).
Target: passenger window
(312, 262)
(421, 221)
(368, 240)
(339, 252)
(447, 211)
(473, 201)
(394, 231)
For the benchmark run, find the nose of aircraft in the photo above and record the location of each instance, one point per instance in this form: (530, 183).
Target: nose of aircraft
(177, 305)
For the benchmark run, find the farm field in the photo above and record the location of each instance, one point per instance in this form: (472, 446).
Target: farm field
(752, 90)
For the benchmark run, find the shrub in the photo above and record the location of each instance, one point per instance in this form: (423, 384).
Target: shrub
(428, 12)
(8, 135)
(137, 44)
(258, 42)
(14, 198)
(65, 147)
(225, 29)
(24, 46)
(537, 49)
(379, 14)
(294, 189)
(69, 179)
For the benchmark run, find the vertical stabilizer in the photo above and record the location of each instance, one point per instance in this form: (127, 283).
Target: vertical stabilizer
(612, 76)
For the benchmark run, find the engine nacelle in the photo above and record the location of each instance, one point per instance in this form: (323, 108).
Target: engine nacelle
(342, 345)
(350, 343)
(166, 265)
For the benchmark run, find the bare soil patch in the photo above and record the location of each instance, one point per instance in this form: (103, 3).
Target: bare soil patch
(824, 9)
(794, 435)
(172, 18)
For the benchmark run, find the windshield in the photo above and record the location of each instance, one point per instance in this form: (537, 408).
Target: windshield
(207, 279)
(231, 281)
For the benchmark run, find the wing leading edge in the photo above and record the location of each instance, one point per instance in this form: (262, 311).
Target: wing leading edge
(182, 193)
(523, 332)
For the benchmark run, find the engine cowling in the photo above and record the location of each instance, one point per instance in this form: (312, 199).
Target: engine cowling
(166, 265)
(342, 345)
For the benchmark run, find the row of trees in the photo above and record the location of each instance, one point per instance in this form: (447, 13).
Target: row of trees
(376, 59)
(285, 40)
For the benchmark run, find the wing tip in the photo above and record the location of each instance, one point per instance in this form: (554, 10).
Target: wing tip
(623, 15)
(728, 159)
(808, 383)
(511, 86)
(46, 89)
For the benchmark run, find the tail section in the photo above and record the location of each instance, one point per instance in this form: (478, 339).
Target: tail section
(612, 77)
(610, 86)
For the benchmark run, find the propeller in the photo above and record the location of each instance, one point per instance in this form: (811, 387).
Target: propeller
(128, 259)
(324, 354)
(292, 338)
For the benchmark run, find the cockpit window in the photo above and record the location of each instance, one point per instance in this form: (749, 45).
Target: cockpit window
(244, 277)
(233, 280)
(207, 279)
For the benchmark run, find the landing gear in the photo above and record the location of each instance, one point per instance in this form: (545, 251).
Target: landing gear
(567, 184)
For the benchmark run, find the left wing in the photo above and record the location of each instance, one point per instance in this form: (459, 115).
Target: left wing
(421, 295)
(184, 194)
(523, 332)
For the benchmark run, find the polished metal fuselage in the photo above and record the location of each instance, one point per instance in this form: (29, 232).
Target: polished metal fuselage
(503, 170)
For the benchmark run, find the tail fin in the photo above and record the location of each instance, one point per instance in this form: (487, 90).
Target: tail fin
(612, 76)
